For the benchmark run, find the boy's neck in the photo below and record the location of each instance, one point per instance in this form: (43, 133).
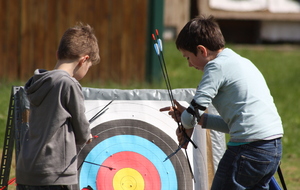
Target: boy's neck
(66, 65)
(213, 54)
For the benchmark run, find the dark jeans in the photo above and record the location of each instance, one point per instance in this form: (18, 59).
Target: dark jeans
(249, 166)
(50, 187)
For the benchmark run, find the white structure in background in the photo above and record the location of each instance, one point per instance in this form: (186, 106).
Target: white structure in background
(274, 6)
(280, 31)
(280, 19)
(271, 30)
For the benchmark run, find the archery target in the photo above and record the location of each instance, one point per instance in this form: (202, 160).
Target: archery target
(134, 139)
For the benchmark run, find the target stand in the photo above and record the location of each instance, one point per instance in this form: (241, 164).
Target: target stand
(133, 140)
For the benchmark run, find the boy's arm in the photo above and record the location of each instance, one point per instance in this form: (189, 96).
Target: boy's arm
(214, 122)
(78, 119)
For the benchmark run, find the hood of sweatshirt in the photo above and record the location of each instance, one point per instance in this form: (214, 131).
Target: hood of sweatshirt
(38, 86)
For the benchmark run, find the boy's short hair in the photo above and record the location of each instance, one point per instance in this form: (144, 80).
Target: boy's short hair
(78, 41)
(200, 31)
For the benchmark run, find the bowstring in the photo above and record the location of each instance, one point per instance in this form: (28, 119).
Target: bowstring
(168, 84)
(161, 59)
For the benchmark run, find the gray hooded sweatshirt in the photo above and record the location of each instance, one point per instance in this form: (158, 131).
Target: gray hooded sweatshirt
(57, 124)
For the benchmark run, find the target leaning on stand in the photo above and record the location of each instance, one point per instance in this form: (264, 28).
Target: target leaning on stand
(134, 139)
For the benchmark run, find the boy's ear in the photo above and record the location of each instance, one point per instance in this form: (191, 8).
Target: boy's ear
(83, 59)
(86, 58)
(202, 50)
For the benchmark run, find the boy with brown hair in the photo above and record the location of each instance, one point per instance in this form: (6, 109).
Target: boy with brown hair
(240, 94)
(57, 122)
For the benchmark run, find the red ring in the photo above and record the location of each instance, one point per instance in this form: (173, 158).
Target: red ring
(127, 159)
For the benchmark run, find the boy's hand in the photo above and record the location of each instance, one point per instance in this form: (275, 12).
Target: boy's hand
(175, 113)
(90, 140)
(181, 137)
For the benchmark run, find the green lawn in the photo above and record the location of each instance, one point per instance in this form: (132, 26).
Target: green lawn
(280, 64)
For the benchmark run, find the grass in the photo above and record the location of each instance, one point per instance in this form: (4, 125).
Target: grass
(279, 64)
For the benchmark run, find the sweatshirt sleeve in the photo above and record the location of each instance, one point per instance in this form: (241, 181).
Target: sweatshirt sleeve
(209, 85)
(75, 106)
(215, 122)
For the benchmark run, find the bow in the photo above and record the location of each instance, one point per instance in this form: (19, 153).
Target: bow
(159, 51)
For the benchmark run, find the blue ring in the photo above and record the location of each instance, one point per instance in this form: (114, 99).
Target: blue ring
(131, 143)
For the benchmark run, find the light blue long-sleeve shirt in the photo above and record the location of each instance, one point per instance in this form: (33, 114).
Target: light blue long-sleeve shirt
(240, 94)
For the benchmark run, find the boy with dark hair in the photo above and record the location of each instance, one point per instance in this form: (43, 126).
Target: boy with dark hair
(57, 122)
(240, 94)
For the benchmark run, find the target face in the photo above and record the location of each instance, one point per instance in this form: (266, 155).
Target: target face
(129, 153)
